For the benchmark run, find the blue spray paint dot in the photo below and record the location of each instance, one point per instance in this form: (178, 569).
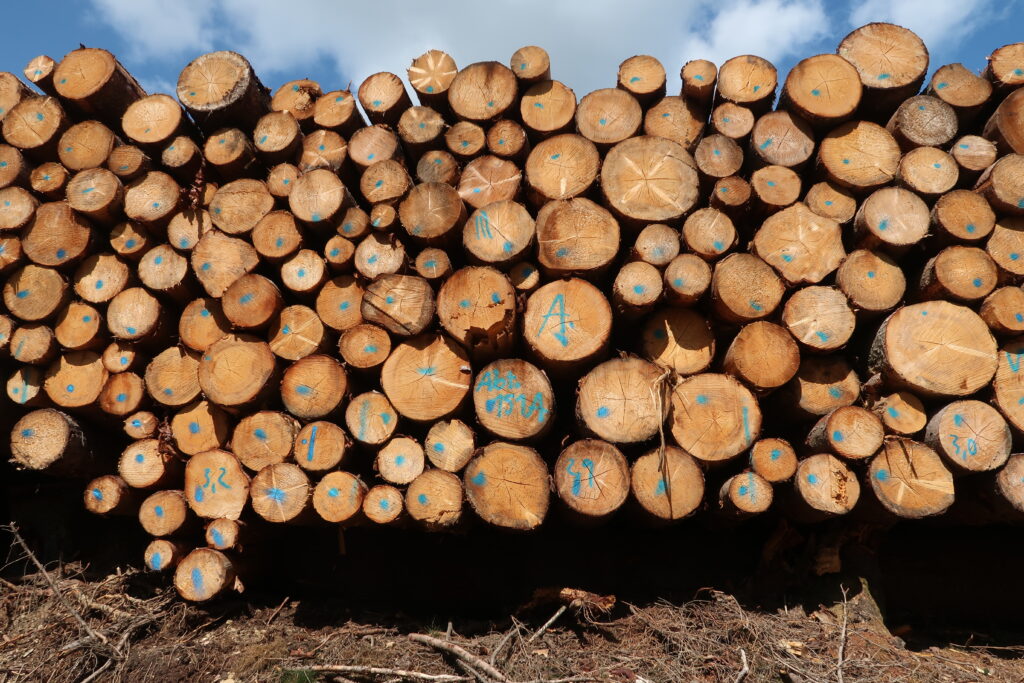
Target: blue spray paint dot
(422, 499)
(399, 460)
(121, 398)
(602, 411)
(260, 434)
(776, 454)
(834, 392)
(812, 479)
(702, 399)
(97, 494)
(871, 274)
(639, 289)
(193, 427)
(130, 330)
(304, 390)
(892, 412)
(139, 457)
(882, 475)
(479, 479)
(26, 433)
(837, 436)
(464, 303)
(439, 448)
(561, 251)
(969, 227)
(976, 282)
(70, 388)
(344, 305)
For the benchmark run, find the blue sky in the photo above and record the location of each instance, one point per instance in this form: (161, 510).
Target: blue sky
(337, 43)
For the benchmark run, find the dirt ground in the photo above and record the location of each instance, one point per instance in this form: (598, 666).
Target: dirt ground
(130, 626)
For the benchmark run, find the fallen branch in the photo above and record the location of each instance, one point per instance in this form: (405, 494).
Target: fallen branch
(746, 668)
(842, 641)
(381, 671)
(461, 653)
(547, 624)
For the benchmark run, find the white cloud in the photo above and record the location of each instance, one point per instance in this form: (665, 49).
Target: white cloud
(940, 23)
(587, 39)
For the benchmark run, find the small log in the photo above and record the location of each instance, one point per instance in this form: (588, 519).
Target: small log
(85, 145)
(152, 122)
(277, 138)
(962, 216)
(281, 494)
(336, 111)
(657, 244)
(824, 89)
(163, 555)
(718, 157)
(438, 166)
(449, 445)
(482, 91)
(744, 289)
(421, 130)
(958, 273)
(782, 139)
(636, 289)
(745, 495)
(465, 140)
(1003, 311)
(383, 98)
(649, 180)
(34, 293)
(264, 438)
(56, 236)
(338, 497)
(1004, 127)
(1002, 184)
(231, 154)
(432, 212)
(34, 344)
(322, 149)
(548, 108)
(297, 333)
(182, 159)
(15, 171)
(935, 349)
(608, 116)
(901, 413)
(687, 278)
(477, 307)
(774, 460)
(236, 97)
(314, 387)
(488, 179)
(204, 573)
(34, 126)
(762, 355)
(822, 384)
(872, 281)
(94, 83)
(17, 208)
(370, 418)
(576, 236)
(513, 400)
(676, 118)
(51, 441)
(499, 232)
(891, 219)
(25, 387)
(507, 486)
(147, 464)
(339, 303)
(923, 121)
(299, 99)
(400, 460)
(364, 347)
(383, 504)
(434, 499)
(172, 377)
(434, 361)
(524, 277)
(200, 426)
(774, 188)
(183, 231)
(371, 144)
(141, 424)
(75, 379)
(714, 418)
(251, 302)
(819, 318)
(801, 245)
(678, 339)
(123, 393)
(699, 77)
(824, 487)
(402, 304)
(531, 64)
(892, 62)
(281, 180)
(909, 479)
(567, 324)
(709, 233)
(430, 75)
(748, 80)
(507, 139)
(962, 89)
(219, 378)
(592, 479)
(320, 446)
(643, 77)
(843, 160)
(561, 167)
(164, 513)
(216, 485)
(831, 201)
(202, 323)
(225, 534)
(152, 199)
(850, 432)
(39, 72)
(732, 121)
(667, 483)
(970, 435)
(973, 154)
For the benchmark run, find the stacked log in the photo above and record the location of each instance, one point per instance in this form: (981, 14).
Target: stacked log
(486, 301)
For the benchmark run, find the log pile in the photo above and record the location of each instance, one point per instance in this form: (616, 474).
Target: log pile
(235, 307)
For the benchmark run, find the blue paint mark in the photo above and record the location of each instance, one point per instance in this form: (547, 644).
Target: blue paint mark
(659, 490)
(168, 391)
(815, 92)
(698, 77)
(218, 538)
(561, 252)
(245, 298)
(422, 499)
(86, 318)
(756, 88)
(197, 580)
(976, 282)
(958, 420)
(121, 398)
(871, 274)
(837, 436)
(823, 336)
(603, 411)
(61, 253)
(756, 306)
(812, 478)
(139, 457)
(702, 399)
(370, 348)
(464, 303)
(364, 413)
(385, 503)
(286, 330)
(389, 299)
(427, 371)
(378, 183)
(22, 294)
(312, 444)
(882, 475)
(942, 85)
(507, 247)
(158, 511)
(204, 313)
(97, 494)
(136, 423)
(555, 156)
(678, 282)
(634, 79)
(771, 183)
(1019, 317)
(205, 266)
(275, 494)
(334, 252)
(882, 77)
(333, 492)
(936, 165)
(304, 390)
(746, 424)
(26, 433)
(788, 258)
(260, 434)
(385, 418)
(344, 305)
(846, 161)
(776, 454)
(130, 330)
(479, 479)
(372, 259)
(639, 289)
(156, 561)
(718, 153)
(764, 145)
(70, 388)
(130, 243)
(920, 107)
(194, 428)
(439, 448)
(884, 225)
(969, 228)
(834, 392)
(717, 244)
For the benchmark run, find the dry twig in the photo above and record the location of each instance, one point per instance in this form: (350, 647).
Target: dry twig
(460, 653)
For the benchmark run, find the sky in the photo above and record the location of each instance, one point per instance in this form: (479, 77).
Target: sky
(339, 43)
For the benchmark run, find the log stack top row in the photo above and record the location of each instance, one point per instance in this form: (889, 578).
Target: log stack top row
(233, 307)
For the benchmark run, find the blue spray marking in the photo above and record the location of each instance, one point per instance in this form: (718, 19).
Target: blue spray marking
(422, 499)
(837, 436)
(746, 424)
(156, 561)
(333, 492)
(589, 464)
(275, 494)
(892, 412)
(776, 454)
(364, 414)
(812, 478)
(385, 503)
(976, 282)
(304, 390)
(561, 252)
(603, 411)
(260, 434)
(702, 399)
(385, 418)
(557, 310)
(659, 490)
(197, 580)
(139, 457)
(439, 448)
(834, 392)
(882, 475)
(121, 398)
(871, 274)
(158, 511)
(764, 145)
(788, 258)
(218, 538)
(312, 442)
(958, 420)
(97, 494)
(479, 479)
